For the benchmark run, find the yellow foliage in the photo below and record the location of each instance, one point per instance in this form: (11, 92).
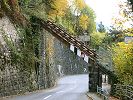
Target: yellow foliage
(123, 61)
(59, 8)
(124, 19)
(83, 21)
(129, 32)
(80, 4)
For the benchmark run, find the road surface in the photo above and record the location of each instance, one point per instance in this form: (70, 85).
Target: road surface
(68, 88)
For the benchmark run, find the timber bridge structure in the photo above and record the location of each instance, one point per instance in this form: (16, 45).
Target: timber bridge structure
(95, 68)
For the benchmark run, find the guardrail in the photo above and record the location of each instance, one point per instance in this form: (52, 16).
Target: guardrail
(103, 93)
(124, 92)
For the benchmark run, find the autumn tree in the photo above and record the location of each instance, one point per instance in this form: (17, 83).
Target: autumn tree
(124, 20)
(59, 8)
(123, 62)
(79, 5)
(84, 17)
(76, 6)
(83, 21)
(77, 18)
(68, 21)
(91, 14)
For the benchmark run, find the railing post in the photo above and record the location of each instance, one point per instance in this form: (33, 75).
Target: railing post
(97, 88)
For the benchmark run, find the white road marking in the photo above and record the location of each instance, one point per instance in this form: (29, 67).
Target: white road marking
(67, 89)
(47, 97)
(60, 91)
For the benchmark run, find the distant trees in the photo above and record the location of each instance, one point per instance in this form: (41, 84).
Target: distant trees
(122, 24)
(123, 52)
(101, 28)
(125, 17)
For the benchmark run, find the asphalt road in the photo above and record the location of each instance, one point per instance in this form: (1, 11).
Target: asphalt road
(68, 88)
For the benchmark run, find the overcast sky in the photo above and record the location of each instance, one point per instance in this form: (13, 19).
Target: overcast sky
(104, 9)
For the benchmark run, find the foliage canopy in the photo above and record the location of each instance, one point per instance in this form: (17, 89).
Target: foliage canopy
(123, 62)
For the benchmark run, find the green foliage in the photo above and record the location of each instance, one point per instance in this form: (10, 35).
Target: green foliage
(67, 22)
(97, 39)
(85, 21)
(123, 62)
(14, 52)
(108, 40)
(24, 3)
(113, 36)
(22, 52)
(91, 27)
(80, 4)
(63, 12)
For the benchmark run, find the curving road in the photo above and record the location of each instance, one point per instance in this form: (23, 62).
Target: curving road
(68, 88)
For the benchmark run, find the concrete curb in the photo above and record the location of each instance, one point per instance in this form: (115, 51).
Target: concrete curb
(90, 98)
(93, 96)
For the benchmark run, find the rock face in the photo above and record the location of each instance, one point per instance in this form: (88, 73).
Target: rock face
(14, 78)
(56, 60)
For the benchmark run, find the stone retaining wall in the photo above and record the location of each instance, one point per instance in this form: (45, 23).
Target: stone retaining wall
(56, 60)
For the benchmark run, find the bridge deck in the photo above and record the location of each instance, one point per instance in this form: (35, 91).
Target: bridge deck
(56, 30)
(62, 34)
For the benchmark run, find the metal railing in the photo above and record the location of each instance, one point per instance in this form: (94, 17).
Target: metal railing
(103, 93)
(124, 92)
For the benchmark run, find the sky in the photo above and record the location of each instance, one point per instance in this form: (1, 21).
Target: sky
(104, 10)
